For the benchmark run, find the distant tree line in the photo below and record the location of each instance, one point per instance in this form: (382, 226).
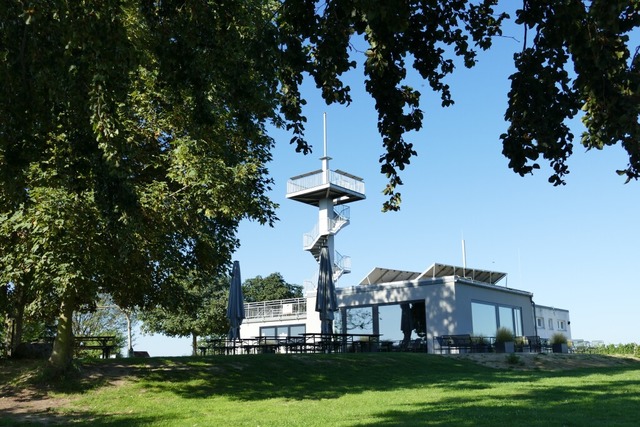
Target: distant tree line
(631, 349)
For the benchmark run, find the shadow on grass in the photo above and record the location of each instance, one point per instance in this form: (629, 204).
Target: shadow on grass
(11, 418)
(299, 377)
(610, 403)
(603, 396)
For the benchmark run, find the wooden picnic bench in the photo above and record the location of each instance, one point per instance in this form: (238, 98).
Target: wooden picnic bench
(105, 343)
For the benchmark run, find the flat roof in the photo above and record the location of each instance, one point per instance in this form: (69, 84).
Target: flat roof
(386, 275)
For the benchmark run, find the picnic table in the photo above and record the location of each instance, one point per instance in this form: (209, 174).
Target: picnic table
(341, 343)
(303, 343)
(105, 343)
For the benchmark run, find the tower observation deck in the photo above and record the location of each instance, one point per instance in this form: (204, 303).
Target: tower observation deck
(331, 192)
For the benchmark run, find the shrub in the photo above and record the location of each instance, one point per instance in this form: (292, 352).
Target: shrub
(513, 359)
(504, 335)
(479, 339)
(558, 338)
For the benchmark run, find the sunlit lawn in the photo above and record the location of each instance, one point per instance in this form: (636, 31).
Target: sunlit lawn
(345, 390)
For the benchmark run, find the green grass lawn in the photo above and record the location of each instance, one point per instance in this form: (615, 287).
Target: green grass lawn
(333, 390)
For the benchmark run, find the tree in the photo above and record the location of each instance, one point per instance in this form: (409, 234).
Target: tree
(268, 288)
(592, 38)
(128, 151)
(199, 310)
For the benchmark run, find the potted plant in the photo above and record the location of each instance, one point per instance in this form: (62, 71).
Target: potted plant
(504, 341)
(559, 343)
(480, 344)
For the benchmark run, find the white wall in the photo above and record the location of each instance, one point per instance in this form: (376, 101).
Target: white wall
(553, 320)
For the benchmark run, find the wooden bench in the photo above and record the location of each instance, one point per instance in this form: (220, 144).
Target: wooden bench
(105, 343)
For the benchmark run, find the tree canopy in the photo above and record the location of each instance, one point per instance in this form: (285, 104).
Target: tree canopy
(200, 311)
(194, 311)
(130, 147)
(576, 58)
(268, 288)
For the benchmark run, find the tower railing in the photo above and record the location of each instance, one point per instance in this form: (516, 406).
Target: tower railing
(341, 217)
(341, 265)
(292, 308)
(316, 179)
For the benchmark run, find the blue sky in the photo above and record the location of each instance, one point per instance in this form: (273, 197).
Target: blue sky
(574, 247)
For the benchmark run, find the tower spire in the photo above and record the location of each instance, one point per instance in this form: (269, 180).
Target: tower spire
(325, 158)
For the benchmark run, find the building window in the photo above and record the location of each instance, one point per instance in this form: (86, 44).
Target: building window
(540, 322)
(487, 318)
(484, 319)
(282, 330)
(561, 325)
(550, 323)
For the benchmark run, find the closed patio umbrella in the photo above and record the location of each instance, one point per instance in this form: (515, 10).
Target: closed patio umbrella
(235, 307)
(326, 303)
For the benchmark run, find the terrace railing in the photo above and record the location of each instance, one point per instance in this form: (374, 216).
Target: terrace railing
(293, 308)
(317, 178)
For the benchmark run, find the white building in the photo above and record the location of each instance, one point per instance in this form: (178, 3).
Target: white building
(550, 320)
(442, 300)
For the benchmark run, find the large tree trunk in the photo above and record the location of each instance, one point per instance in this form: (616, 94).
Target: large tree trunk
(18, 327)
(62, 354)
(17, 324)
(194, 344)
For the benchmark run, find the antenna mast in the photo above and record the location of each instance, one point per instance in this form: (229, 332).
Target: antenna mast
(324, 124)
(464, 258)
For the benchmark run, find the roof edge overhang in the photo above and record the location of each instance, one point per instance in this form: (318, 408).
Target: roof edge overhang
(475, 274)
(386, 275)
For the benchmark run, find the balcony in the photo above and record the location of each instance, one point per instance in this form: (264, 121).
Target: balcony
(293, 308)
(314, 186)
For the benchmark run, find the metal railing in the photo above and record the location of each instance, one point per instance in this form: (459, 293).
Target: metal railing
(293, 308)
(340, 219)
(309, 239)
(341, 265)
(317, 178)
(343, 262)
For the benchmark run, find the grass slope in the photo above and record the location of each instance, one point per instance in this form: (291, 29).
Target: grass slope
(375, 389)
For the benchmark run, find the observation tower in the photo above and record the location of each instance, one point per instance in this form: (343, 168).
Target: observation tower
(331, 192)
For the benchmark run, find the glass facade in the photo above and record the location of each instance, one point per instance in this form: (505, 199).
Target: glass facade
(487, 318)
(484, 319)
(282, 330)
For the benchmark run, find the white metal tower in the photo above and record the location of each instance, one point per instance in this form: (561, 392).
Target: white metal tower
(330, 191)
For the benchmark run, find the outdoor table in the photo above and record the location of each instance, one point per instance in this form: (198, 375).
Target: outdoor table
(268, 344)
(328, 343)
(104, 343)
(225, 346)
